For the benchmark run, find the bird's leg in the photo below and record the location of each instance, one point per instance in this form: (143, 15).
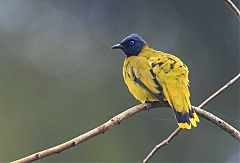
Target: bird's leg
(160, 103)
(152, 104)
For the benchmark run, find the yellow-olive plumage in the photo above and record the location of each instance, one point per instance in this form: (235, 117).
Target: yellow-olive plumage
(152, 75)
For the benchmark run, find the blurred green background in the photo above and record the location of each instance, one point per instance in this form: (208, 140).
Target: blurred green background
(59, 77)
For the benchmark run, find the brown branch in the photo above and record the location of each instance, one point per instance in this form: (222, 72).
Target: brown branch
(88, 135)
(162, 144)
(132, 111)
(232, 131)
(117, 120)
(209, 116)
(233, 8)
(219, 122)
(219, 91)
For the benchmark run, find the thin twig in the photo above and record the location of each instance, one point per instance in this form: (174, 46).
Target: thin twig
(225, 126)
(219, 91)
(219, 122)
(163, 143)
(233, 8)
(106, 126)
(120, 117)
(176, 131)
(207, 115)
(88, 135)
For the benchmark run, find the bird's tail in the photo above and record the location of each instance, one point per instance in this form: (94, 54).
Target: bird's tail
(186, 120)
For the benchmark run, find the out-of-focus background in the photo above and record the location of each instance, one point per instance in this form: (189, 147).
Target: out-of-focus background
(59, 78)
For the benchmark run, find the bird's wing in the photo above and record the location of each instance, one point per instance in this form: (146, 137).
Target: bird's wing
(165, 77)
(139, 70)
(173, 76)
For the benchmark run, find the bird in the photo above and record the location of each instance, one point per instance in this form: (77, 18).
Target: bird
(153, 76)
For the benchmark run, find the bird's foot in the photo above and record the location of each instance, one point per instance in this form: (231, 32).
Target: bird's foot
(152, 104)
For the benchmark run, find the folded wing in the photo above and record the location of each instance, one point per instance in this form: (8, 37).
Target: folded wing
(173, 76)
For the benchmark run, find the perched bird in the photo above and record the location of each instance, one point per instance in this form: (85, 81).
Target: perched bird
(153, 75)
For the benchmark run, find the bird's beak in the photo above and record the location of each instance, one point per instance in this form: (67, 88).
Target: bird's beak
(117, 46)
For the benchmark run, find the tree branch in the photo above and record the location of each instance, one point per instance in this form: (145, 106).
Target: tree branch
(209, 116)
(219, 122)
(88, 135)
(233, 8)
(132, 111)
(218, 92)
(232, 131)
(162, 144)
(124, 115)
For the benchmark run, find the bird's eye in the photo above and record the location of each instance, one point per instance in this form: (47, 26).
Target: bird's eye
(131, 43)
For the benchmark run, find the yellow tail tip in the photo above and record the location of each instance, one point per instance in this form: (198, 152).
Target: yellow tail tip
(195, 116)
(184, 125)
(193, 122)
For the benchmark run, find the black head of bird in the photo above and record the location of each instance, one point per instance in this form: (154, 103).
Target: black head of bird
(131, 45)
